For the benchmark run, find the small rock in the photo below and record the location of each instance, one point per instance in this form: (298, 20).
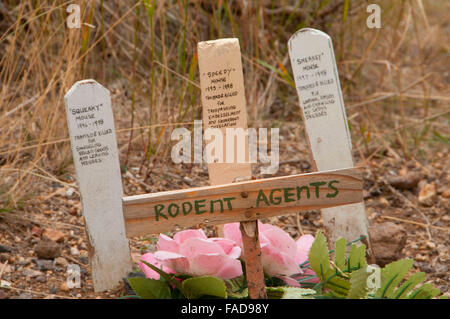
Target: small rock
(408, 181)
(22, 261)
(64, 287)
(420, 257)
(44, 264)
(441, 268)
(41, 279)
(70, 192)
(3, 295)
(30, 273)
(61, 261)
(388, 241)
(54, 235)
(73, 211)
(53, 290)
(188, 180)
(427, 194)
(446, 193)
(427, 268)
(383, 202)
(36, 231)
(47, 249)
(4, 283)
(5, 249)
(74, 251)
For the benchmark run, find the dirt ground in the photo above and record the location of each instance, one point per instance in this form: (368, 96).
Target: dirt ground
(413, 195)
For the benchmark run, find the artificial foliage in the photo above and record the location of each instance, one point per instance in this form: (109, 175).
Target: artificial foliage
(342, 272)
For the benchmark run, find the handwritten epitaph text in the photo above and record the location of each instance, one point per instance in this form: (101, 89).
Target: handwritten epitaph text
(224, 105)
(317, 81)
(95, 155)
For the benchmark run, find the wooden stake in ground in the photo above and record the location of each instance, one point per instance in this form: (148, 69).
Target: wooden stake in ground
(224, 106)
(318, 88)
(94, 147)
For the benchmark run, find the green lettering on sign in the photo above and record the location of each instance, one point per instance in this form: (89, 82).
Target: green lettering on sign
(261, 197)
(317, 185)
(336, 191)
(158, 209)
(299, 192)
(216, 201)
(185, 211)
(272, 199)
(198, 206)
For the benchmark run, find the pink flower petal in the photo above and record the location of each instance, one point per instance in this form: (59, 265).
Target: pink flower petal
(263, 227)
(217, 265)
(232, 231)
(181, 236)
(235, 252)
(226, 244)
(276, 262)
(301, 257)
(304, 244)
(167, 244)
(232, 268)
(177, 262)
(281, 240)
(148, 272)
(192, 247)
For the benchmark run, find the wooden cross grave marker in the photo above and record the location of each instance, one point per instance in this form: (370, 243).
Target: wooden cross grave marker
(111, 218)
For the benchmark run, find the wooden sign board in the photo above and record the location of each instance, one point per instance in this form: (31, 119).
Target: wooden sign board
(95, 155)
(318, 88)
(242, 201)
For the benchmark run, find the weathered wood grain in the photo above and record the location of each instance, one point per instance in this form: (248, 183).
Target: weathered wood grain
(248, 203)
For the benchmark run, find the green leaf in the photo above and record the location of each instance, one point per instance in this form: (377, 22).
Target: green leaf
(289, 293)
(427, 291)
(391, 275)
(236, 287)
(339, 254)
(166, 276)
(319, 258)
(204, 286)
(358, 284)
(238, 295)
(149, 288)
(357, 257)
(414, 280)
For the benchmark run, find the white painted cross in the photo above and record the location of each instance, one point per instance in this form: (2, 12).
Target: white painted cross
(319, 91)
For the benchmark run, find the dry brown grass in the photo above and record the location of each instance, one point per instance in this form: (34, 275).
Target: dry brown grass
(395, 79)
